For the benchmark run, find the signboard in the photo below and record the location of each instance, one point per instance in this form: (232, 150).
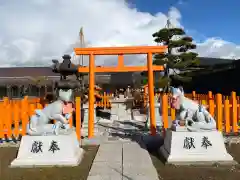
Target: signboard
(37, 147)
(185, 146)
(195, 143)
(48, 150)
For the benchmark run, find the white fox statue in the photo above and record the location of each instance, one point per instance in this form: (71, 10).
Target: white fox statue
(39, 122)
(195, 115)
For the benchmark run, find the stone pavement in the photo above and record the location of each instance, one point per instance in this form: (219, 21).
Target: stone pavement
(122, 161)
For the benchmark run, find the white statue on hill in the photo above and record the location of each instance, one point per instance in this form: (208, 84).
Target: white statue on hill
(190, 114)
(60, 111)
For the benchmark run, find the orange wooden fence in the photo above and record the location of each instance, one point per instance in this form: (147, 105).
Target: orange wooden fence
(12, 111)
(105, 102)
(14, 114)
(225, 110)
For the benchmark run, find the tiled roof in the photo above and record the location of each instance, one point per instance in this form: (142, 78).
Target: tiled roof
(119, 78)
(26, 71)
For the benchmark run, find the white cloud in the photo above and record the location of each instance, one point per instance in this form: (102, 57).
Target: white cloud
(216, 47)
(33, 32)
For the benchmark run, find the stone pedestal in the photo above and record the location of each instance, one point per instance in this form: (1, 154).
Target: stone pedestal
(62, 150)
(183, 147)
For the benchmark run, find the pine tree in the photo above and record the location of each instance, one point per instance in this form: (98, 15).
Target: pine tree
(177, 59)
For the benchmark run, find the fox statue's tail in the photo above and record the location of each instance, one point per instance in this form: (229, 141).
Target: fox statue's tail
(34, 127)
(31, 130)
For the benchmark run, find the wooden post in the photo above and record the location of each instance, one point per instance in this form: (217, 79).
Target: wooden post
(151, 94)
(1, 121)
(16, 119)
(91, 97)
(194, 95)
(165, 111)
(219, 112)
(78, 117)
(173, 114)
(8, 118)
(120, 60)
(104, 100)
(24, 115)
(70, 121)
(234, 112)
(211, 103)
(226, 116)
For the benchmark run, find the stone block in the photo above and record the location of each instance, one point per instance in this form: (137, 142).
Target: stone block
(106, 168)
(184, 147)
(104, 177)
(139, 177)
(62, 150)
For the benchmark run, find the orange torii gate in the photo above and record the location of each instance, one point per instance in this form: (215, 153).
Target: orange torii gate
(120, 51)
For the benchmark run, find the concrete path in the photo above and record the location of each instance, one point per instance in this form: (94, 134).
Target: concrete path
(122, 161)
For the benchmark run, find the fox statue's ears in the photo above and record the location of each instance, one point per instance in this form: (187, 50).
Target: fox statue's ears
(176, 91)
(65, 95)
(69, 91)
(181, 89)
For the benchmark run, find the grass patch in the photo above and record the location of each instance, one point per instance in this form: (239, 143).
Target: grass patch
(220, 172)
(7, 154)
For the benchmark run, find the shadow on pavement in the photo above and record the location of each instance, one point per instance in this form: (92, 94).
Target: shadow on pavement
(141, 135)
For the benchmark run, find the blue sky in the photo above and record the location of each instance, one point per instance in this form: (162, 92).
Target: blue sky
(31, 33)
(206, 18)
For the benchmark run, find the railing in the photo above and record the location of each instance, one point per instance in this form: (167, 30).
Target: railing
(226, 112)
(105, 101)
(225, 109)
(14, 114)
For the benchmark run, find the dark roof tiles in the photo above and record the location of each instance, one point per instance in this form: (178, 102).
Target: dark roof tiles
(26, 71)
(12, 72)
